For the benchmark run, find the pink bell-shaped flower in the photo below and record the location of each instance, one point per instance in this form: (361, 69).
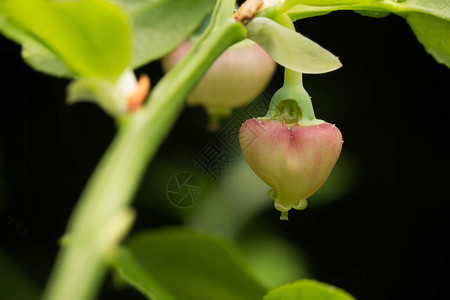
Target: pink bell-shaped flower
(293, 159)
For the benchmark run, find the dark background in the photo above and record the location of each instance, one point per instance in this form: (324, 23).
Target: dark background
(385, 239)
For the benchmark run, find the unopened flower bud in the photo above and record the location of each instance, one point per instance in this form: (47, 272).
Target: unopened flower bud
(237, 77)
(294, 160)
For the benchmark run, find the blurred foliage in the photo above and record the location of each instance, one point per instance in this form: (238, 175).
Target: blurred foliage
(14, 284)
(343, 179)
(189, 264)
(306, 290)
(429, 20)
(228, 205)
(159, 26)
(433, 33)
(274, 259)
(129, 270)
(74, 32)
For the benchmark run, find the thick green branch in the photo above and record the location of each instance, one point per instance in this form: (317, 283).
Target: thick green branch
(102, 213)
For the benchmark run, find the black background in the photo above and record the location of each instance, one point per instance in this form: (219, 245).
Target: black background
(384, 240)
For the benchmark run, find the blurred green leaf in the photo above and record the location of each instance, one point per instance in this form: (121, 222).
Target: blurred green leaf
(291, 49)
(436, 8)
(310, 8)
(373, 13)
(341, 181)
(34, 53)
(161, 25)
(227, 206)
(14, 284)
(91, 38)
(307, 290)
(130, 271)
(429, 19)
(190, 265)
(273, 259)
(433, 33)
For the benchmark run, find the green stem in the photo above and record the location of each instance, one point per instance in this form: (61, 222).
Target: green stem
(101, 217)
(293, 78)
(293, 82)
(292, 90)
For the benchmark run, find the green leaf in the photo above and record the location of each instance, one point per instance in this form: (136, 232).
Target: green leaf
(90, 37)
(34, 53)
(429, 19)
(373, 13)
(189, 265)
(161, 25)
(434, 34)
(229, 204)
(15, 284)
(309, 8)
(437, 8)
(341, 181)
(290, 264)
(307, 290)
(291, 49)
(135, 275)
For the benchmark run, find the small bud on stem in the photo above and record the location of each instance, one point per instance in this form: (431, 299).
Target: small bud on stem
(248, 10)
(137, 98)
